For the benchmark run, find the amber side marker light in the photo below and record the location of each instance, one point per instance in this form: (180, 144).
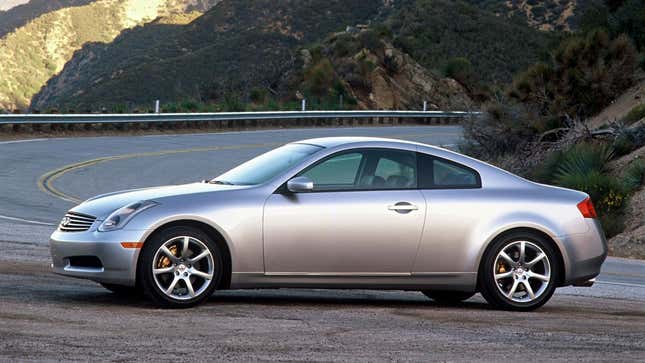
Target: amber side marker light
(586, 208)
(131, 244)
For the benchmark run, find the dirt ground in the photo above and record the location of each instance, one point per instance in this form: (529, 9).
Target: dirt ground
(49, 318)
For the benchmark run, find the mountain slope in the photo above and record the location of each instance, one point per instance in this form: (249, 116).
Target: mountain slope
(370, 73)
(40, 49)
(20, 15)
(543, 15)
(234, 47)
(435, 31)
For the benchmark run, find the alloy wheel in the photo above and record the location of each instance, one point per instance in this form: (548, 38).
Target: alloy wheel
(522, 271)
(183, 267)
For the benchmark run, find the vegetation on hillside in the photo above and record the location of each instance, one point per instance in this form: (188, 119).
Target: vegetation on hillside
(558, 15)
(435, 31)
(205, 64)
(20, 15)
(586, 73)
(536, 127)
(38, 50)
(234, 48)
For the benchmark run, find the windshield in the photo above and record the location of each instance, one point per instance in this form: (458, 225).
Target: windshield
(266, 166)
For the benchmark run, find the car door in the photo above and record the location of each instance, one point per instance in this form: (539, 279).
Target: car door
(364, 216)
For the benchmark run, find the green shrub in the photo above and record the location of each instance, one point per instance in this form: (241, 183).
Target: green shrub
(319, 78)
(628, 139)
(612, 224)
(459, 69)
(587, 73)
(505, 128)
(258, 95)
(232, 103)
(371, 40)
(189, 106)
(606, 191)
(345, 45)
(120, 108)
(391, 65)
(546, 171)
(171, 107)
(636, 113)
(623, 144)
(634, 175)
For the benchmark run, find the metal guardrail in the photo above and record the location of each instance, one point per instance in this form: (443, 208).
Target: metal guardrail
(222, 116)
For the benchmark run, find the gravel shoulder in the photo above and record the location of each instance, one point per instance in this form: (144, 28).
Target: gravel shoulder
(54, 318)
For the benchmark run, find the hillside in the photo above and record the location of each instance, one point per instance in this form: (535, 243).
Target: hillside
(549, 15)
(205, 62)
(236, 46)
(368, 72)
(435, 31)
(38, 50)
(20, 14)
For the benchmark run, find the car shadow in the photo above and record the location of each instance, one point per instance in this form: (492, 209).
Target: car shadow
(275, 297)
(333, 298)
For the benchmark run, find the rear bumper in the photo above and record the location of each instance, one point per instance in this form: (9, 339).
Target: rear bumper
(115, 264)
(586, 253)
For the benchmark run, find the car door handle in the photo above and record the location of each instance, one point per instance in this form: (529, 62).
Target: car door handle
(403, 207)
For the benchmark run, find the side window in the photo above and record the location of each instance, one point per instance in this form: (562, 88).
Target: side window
(336, 173)
(394, 170)
(438, 173)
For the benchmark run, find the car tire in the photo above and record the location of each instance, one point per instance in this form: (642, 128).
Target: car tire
(179, 286)
(122, 290)
(445, 297)
(503, 278)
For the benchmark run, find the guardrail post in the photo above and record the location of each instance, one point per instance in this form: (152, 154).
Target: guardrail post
(157, 106)
(304, 104)
(425, 106)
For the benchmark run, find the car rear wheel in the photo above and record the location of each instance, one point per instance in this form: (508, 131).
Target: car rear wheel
(519, 272)
(448, 297)
(180, 267)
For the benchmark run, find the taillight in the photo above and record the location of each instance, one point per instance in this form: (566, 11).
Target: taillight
(586, 208)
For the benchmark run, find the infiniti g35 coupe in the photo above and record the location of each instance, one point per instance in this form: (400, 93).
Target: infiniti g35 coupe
(339, 213)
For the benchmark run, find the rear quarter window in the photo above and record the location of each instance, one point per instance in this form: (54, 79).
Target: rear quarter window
(438, 173)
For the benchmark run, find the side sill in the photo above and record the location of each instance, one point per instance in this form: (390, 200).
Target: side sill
(418, 281)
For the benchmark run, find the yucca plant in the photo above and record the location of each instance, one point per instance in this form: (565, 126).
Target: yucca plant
(583, 167)
(583, 159)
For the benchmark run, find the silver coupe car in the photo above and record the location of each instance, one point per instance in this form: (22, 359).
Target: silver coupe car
(339, 213)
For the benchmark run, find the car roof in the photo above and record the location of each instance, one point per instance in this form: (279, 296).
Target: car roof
(330, 142)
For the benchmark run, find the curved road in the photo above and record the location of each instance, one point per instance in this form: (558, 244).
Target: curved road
(40, 314)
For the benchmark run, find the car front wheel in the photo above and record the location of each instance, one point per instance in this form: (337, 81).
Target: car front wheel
(519, 272)
(180, 267)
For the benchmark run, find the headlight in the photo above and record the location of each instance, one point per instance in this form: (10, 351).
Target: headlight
(120, 217)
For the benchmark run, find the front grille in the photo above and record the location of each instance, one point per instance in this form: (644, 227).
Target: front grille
(76, 222)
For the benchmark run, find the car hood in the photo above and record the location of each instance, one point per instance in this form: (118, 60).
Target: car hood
(103, 205)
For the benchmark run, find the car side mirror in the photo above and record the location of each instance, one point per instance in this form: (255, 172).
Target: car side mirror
(300, 184)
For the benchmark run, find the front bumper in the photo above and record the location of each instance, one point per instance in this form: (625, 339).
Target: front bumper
(116, 264)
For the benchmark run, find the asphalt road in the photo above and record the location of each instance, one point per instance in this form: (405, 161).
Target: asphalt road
(47, 317)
